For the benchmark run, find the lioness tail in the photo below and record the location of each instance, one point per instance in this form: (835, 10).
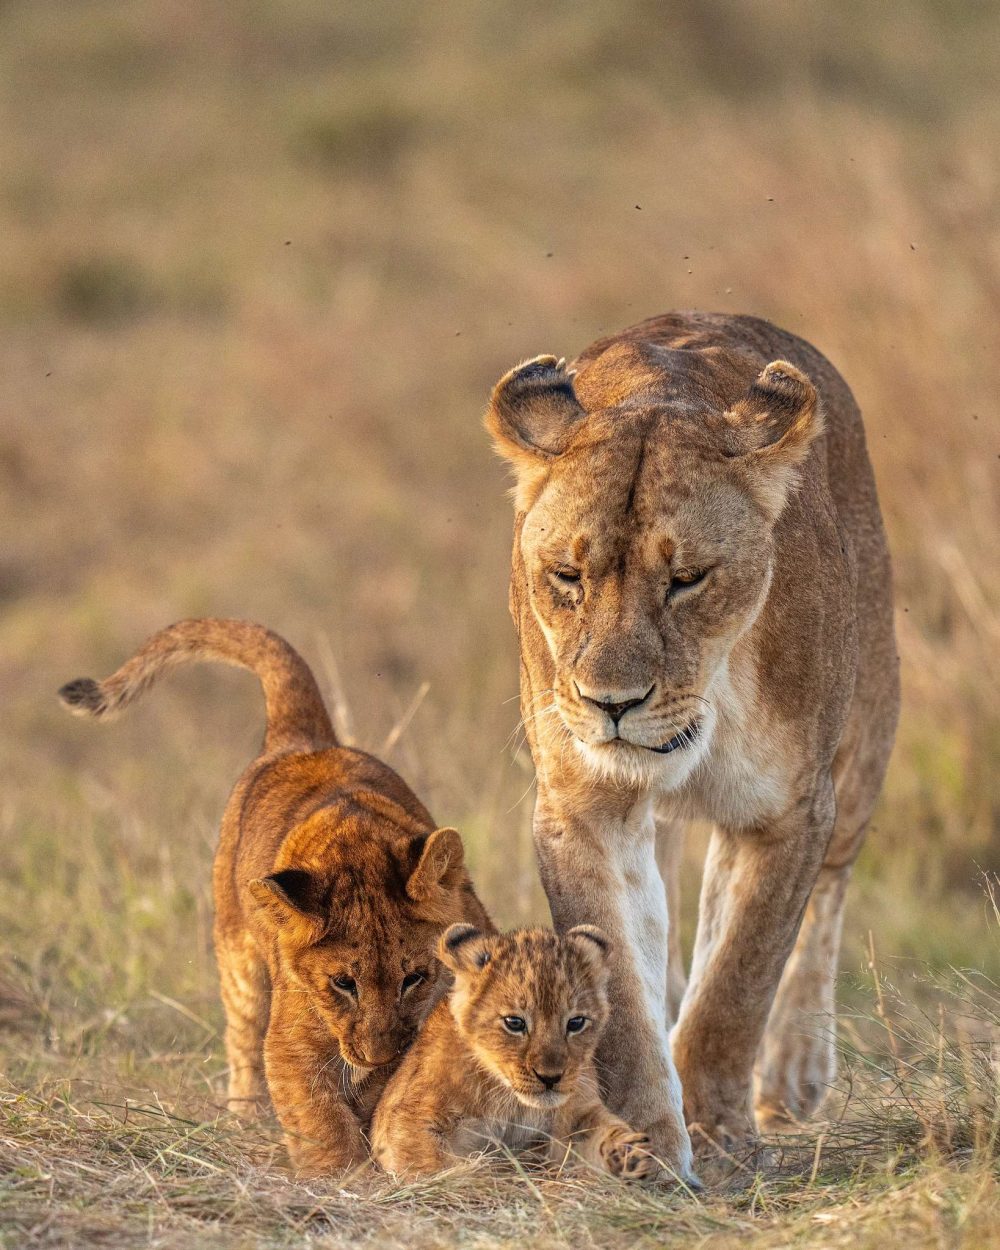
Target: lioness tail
(296, 716)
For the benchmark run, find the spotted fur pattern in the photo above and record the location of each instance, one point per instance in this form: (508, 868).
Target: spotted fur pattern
(473, 1082)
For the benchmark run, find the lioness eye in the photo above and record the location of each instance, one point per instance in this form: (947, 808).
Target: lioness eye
(684, 578)
(413, 978)
(346, 985)
(515, 1024)
(575, 1024)
(568, 577)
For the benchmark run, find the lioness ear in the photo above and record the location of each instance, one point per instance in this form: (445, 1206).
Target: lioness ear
(464, 948)
(441, 866)
(778, 418)
(532, 416)
(592, 941)
(292, 895)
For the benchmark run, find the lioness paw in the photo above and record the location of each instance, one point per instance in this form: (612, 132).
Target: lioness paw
(628, 1155)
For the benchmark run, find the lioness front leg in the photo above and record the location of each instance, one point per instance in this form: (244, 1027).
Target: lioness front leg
(671, 835)
(756, 886)
(599, 867)
(797, 1061)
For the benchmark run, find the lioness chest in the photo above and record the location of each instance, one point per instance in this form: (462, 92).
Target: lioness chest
(746, 777)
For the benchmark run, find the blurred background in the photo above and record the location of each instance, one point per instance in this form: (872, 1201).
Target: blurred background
(259, 267)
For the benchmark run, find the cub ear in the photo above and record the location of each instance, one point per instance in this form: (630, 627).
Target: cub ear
(533, 414)
(778, 418)
(290, 896)
(441, 866)
(592, 941)
(464, 948)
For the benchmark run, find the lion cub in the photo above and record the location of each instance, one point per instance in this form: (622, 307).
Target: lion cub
(508, 1059)
(332, 887)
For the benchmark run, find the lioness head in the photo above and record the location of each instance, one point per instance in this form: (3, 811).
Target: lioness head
(530, 1004)
(358, 936)
(647, 502)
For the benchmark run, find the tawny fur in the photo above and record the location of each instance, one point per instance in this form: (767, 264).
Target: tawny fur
(702, 592)
(469, 1085)
(328, 867)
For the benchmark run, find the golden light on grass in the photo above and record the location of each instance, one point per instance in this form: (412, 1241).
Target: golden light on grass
(259, 267)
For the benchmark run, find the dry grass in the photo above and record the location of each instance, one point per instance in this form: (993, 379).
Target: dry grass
(910, 1151)
(259, 266)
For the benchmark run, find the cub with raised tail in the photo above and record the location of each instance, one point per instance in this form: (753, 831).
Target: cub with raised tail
(507, 1061)
(332, 886)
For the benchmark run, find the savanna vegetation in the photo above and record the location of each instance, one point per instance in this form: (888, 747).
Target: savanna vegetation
(259, 266)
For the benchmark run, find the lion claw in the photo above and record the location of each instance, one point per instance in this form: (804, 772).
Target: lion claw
(629, 1155)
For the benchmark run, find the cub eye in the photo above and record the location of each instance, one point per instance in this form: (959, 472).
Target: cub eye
(515, 1024)
(346, 985)
(576, 1024)
(413, 978)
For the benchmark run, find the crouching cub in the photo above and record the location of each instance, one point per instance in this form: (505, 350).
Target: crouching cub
(508, 1059)
(332, 887)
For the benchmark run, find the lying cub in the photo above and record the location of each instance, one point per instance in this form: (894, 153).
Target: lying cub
(508, 1059)
(332, 887)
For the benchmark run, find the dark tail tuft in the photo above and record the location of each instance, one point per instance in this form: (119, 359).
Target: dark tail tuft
(84, 697)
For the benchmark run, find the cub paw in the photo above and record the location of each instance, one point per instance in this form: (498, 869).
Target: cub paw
(628, 1155)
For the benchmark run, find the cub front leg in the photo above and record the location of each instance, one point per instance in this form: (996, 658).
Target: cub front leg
(410, 1150)
(322, 1133)
(626, 1153)
(605, 1141)
(599, 867)
(245, 987)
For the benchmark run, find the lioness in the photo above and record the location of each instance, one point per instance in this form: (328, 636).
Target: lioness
(702, 592)
(331, 886)
(508, 1059)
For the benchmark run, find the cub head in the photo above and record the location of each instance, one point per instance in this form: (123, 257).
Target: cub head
(531, 1004)
(647, 490)
(358, 936)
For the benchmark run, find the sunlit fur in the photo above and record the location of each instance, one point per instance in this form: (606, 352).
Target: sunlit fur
(624, 628)
(699, 564)
(469, 1083)
(328, 867)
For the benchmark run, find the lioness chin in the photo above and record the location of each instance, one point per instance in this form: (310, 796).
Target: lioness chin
(332, 886)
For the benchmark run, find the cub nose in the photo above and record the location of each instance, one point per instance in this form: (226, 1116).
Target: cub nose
(374, 1059)
(549, 1079)
(615, 703)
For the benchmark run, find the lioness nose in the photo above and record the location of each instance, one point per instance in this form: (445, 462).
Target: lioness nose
(549, 1079)
(615, 704)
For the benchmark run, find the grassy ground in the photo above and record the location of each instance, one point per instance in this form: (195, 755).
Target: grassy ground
(259, 266)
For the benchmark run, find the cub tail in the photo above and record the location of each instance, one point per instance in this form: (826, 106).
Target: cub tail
(296, 715)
